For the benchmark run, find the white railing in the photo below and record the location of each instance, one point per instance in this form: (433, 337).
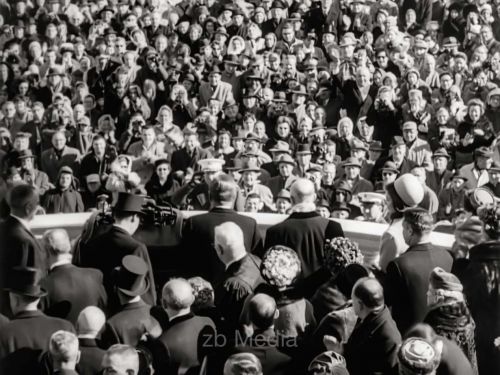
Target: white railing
(366, 234)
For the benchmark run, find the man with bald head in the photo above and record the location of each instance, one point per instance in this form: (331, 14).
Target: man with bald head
(69, 288)
(375, 338)
(304, 230)
(241, 276)
(89, 325)
(185, 332)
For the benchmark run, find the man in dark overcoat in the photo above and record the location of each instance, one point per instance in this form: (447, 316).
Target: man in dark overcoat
(407, 279)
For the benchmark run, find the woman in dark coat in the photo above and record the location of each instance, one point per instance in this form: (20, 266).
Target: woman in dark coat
(64, 198)
(481, 281)
(162, 185)
(448, 313)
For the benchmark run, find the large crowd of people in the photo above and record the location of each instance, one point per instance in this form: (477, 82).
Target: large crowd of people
(378, 111)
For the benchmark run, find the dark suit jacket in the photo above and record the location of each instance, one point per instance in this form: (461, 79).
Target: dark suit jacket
(305, 232)
(25, 338)
(128, 325)
(264, 344)
(354, 103)
(239, 281)
(70, 289)
(181, 160)
(407, 282)
(373, 345)
(105, 253)
(22, 249)
(90, 357)
(198, 240)
(51, 164)
(438, 183)
(184, 339)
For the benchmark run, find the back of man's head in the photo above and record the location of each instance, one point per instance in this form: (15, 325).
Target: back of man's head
(177, 295)
(229, 242)
(302, 191)
(223, 190)
(243, 364)
(120, 359)
(56, 242)
(419, 220)
(23, 200)
(262, 311)
(63, 348)
(370, 292)
(90, 322)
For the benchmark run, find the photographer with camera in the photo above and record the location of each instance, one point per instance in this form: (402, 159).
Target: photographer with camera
(134, 102)
(133, 133)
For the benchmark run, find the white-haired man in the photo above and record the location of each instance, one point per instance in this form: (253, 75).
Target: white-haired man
(185, 331)
(304, 230)
(242, 273)
(64, 352)
(69, 288)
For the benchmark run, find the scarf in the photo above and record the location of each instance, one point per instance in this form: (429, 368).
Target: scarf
(454, 322)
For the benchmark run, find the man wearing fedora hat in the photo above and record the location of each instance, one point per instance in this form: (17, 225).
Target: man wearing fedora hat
(279, 148)
(352, 168)
(59, 155)
(397, 157)
(25, 337)
(249, 183)
(231, 75)
(285, 178)
(452, 197)
(494, 176)
(106, 251)
(30, 174)
(215, 88)
(441, 175)
(477, 171)
(133, 318)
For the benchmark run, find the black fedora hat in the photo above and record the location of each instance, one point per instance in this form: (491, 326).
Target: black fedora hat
(130, 278)
(25, 154)
(25, 281)
(127, 202)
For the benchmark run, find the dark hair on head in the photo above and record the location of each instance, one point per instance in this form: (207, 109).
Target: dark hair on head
(419, 220)
(348, 277)
(21, 195)
(223, 189)
(261, 312)
(397, 202)
(370, 292)
(161, 161)
(98, 137)
(477, 70)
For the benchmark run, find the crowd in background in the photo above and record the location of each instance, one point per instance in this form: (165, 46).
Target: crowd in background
(385, 112)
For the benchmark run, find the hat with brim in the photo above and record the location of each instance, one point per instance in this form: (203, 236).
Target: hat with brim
(211, 165)
(25, 281)
(231, 60)
(495, 167)
(338, 206)
(250, 166)
(127, 202)
(376, 146)
(93, 178)
(323, 203)
(301, 90)
(253, 137)
(450, 42)
(303, 149)
(25, 154)
(284, 194)
(280, 146)
(371, 198)
(441, 153)
(286, 159)
(347, 41)
(359, 145)
(130, 278)
(352, 162)
(390, 167)
(255, 77)
(397, 141)
(280, 97)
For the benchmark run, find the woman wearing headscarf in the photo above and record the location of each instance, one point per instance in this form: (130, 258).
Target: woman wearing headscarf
(448, 313)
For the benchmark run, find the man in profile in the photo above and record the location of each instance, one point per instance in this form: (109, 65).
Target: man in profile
(18, 245)
(198, 234)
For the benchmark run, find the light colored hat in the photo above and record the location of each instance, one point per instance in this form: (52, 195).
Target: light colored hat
(94, 177)
(211, 165)
(409, 189)
(417, 356)
(371, 198)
